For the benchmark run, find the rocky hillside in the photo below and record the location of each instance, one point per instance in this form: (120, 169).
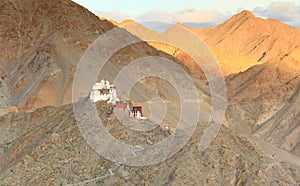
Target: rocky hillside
(245, 40)
(238, 44)
(263, 98)
(45, 147)
(261, 39)
(264, 101)
(41, 45)
(37, 70)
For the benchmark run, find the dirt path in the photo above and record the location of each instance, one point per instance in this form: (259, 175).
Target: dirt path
(274, 152)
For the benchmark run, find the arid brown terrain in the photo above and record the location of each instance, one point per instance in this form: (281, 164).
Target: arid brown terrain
(239, 43)
(262, 64)
(48, 149)
(41, 44)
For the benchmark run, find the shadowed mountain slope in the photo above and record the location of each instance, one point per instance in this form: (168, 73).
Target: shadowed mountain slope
(41, 45)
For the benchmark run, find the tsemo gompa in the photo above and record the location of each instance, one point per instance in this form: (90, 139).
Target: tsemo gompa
(104, 91)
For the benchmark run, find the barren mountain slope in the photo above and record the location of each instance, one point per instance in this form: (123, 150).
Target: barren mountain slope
(238, 44)
(46, 148)
(41, 45)
(261, 39)
(160, 42)
(264, 101)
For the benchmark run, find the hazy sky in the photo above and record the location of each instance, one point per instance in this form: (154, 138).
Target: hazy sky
(210, 12)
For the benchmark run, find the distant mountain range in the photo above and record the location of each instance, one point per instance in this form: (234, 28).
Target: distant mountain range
(239, 43)
(41, 44)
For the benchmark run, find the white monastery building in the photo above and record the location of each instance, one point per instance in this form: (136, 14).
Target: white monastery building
(104, 91)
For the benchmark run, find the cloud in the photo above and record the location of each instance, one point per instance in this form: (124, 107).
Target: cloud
(115, 15)
(200, 17)
(185, 16)
(288, 12)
